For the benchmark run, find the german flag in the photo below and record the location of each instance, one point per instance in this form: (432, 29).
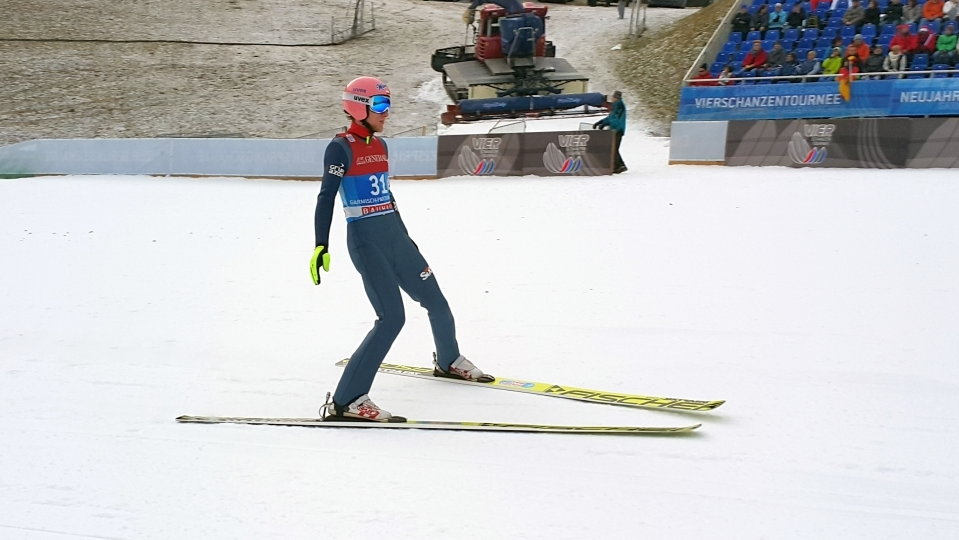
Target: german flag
(845, 78)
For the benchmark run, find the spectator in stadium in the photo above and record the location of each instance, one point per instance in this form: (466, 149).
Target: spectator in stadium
(873, 63)
(872, 14)
(755, 58)
(893, 12)
(945, 47)
(850, 67)
(776, 56)
(789, 67)
(904, 39)
(760, 20)
(833, 64)
(858, 48)
(925, 41)
(912, 12)
(895, 62)
(854, 14)
(809, 67)
(949, 10)
(702, 77)
(742, 21)
(777, 18)
(725, 75)
(796, 17)
(932, 10)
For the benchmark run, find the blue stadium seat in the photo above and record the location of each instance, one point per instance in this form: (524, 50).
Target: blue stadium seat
(868, 30)
(920, 60)
(722, 57)
(848, 31)
(823, 42)
(736, 37)
(738, 56)
(716, 67)
(829, 32)
(834, 22)
(942, 71)
(888, 30)
(791, 34)
(753, 35)
(806, 44)
(772, 34)
(916, 75)
(885, 40)
(810, 33)
(730, 47)
(768, 44)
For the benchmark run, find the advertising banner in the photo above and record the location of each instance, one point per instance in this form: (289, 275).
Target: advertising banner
(581, 153)
(860, 143)
(869, 98)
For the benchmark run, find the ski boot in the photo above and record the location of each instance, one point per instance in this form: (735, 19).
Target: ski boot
(463, 370)
(362, 409)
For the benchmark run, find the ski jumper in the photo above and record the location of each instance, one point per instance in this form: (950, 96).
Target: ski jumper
(356, 165)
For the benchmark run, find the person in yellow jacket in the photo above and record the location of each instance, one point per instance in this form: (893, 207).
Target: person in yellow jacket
(833, 64)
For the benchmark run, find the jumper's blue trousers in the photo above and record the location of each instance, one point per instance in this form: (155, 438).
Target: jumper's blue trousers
(388, 260)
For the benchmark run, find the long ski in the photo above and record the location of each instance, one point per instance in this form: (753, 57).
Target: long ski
(561, 391)
(441, 425)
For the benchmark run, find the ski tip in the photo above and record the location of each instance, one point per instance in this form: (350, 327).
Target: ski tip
(343, 362)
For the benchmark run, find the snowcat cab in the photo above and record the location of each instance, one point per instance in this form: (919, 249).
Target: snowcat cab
(510, 67)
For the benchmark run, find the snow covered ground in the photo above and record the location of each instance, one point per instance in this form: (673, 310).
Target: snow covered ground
(822, 304)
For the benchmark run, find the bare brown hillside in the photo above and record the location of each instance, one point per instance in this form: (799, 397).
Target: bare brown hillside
(653, 65)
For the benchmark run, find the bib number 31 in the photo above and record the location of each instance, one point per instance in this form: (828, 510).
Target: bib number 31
(379, 185)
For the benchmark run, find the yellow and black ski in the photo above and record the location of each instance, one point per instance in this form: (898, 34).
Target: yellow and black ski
(441, 425)
(561, 391)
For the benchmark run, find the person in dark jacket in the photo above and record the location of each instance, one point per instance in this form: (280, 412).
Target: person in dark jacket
(796, 17)
(742, 21)
(872, 13)
(356, 166)
(872, 66)
(789, 67)
(893, 12)
(616, 121)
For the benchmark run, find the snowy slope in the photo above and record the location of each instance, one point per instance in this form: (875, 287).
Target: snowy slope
(822, 304)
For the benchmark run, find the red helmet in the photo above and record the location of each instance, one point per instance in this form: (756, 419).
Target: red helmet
(358, 96)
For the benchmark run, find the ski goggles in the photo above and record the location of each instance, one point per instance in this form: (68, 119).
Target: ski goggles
(377, 104)
(380, 104)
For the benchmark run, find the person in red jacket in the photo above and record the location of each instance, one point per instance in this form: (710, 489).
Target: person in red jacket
(756, 57)
(858, 48)
(925, 41)
(702, 77)
(906, 41)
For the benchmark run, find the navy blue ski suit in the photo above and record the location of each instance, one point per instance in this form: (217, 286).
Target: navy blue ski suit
(356, 166)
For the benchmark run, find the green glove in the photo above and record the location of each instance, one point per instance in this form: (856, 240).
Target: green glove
(321, 258)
